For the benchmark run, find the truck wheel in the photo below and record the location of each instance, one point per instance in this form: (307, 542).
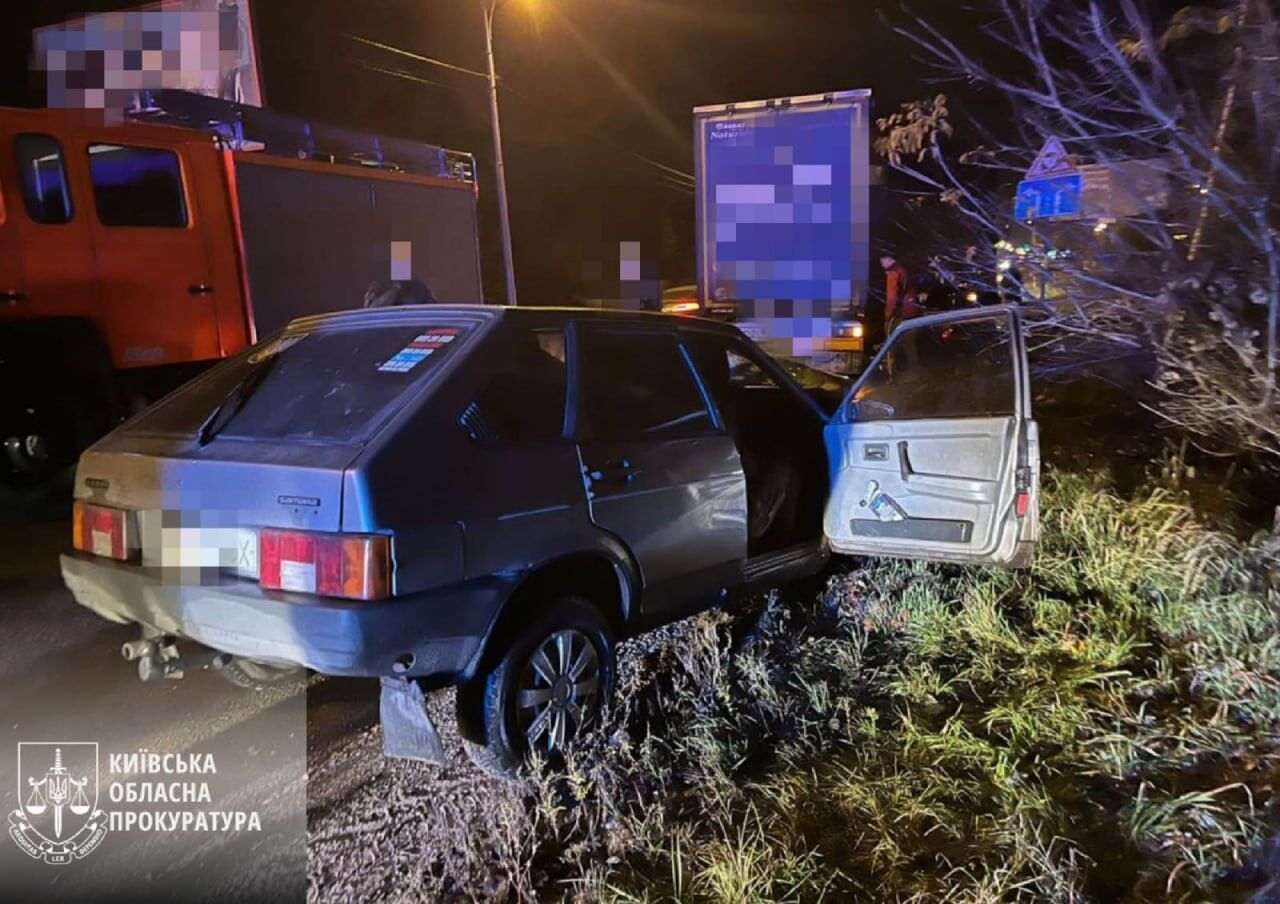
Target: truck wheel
(547, 689)
(42, 437)
(253, 675)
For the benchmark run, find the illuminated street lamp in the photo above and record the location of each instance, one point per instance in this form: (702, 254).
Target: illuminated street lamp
(489, 9)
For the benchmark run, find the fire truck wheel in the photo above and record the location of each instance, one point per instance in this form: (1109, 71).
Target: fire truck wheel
(41, 439)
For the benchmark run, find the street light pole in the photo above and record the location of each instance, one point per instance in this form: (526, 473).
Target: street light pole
(489, 7)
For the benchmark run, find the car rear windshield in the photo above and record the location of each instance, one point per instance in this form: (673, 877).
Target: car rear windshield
(324, 386)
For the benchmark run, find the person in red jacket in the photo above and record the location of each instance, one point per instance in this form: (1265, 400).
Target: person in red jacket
(900, 304)
(899, 297)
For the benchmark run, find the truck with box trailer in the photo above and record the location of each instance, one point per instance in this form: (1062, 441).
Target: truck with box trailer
(783, 221)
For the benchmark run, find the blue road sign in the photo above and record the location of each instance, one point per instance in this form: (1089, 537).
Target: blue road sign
(1051, 196)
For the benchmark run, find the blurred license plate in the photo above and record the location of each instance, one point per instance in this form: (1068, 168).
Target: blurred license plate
(246, 552)
(233, 549)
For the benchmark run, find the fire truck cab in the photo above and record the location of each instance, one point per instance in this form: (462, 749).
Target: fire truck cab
(134, 253)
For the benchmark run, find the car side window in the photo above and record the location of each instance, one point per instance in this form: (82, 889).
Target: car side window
(523, 402)
(639, 385)
(747, 374)
(725, 371)
(946, 370)
(45, 190)
(134, 186)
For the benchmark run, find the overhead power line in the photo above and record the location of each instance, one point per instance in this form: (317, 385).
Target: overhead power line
(431, 61)
(673, 177)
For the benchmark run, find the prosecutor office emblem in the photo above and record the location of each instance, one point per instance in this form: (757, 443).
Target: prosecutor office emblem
(58, 820)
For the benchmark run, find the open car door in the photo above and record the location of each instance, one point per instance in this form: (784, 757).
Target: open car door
(934, 453)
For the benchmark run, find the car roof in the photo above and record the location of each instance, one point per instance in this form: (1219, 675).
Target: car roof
(530, 315)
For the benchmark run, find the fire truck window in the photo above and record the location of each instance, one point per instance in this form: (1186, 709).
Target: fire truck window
(137, 186)
(44, 179)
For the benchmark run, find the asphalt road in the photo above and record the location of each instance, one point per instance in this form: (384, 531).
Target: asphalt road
(62, 679)
(339, 822)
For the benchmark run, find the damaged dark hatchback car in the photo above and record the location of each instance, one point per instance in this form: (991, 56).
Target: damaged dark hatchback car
(495, 497)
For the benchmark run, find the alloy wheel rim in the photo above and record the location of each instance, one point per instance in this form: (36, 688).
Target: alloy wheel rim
(558, 690)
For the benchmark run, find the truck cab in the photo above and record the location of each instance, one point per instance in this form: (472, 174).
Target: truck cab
(134, 252)
(117, 252)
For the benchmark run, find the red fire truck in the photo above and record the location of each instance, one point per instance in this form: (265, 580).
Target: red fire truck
(135, 253)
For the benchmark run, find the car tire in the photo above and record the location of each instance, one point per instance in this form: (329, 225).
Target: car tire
(550, 682)
(253, 675)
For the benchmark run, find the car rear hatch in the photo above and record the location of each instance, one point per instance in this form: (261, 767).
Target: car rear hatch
(264, 440)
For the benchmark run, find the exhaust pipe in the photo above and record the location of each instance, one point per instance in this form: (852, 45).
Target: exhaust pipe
(152, 668)
(159, 657)
(136, 649)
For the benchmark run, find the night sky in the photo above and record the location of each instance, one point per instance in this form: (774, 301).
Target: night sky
(600, 92)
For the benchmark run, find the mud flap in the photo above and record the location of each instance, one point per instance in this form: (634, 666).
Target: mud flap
(407, 732)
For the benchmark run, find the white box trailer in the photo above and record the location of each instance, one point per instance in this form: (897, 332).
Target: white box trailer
(783, 219)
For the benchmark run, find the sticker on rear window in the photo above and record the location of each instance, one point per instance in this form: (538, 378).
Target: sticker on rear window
(417, 351)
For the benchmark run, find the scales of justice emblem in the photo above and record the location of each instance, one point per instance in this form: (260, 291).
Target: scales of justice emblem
(58, 821)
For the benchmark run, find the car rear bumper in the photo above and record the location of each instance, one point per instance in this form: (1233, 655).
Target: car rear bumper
(437, 633)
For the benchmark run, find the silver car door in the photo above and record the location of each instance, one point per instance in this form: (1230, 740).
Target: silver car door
(934, 453)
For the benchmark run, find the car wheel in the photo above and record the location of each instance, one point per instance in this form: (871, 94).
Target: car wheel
(248, 673)
(547, 689)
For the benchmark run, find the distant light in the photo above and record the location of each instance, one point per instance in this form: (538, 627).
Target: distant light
(1180, 236)
(1004, 265)
(1204, 191)
(972, 297)
(999, 278)
(680, 307)
(1101, 227)
(858, 331)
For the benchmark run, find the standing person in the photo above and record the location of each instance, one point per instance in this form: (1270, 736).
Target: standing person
(900, 301)
(900, 304)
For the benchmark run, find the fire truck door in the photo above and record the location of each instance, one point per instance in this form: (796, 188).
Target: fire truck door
(12, 285)
(158, 293)
(46, 257)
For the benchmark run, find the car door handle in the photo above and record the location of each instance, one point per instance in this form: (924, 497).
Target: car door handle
(974, 488)
(904, 461)
(200, 289)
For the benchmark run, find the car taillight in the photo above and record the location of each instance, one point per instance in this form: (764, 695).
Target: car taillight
(101, 531)
(1022, 485)
(354, 566)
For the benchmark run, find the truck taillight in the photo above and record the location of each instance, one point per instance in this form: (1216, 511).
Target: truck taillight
(354, 566)
(101, 531)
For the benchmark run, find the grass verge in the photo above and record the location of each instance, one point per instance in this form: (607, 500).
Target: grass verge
(1101, 726)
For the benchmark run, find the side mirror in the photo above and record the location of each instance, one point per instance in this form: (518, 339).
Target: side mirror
(870, 410)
